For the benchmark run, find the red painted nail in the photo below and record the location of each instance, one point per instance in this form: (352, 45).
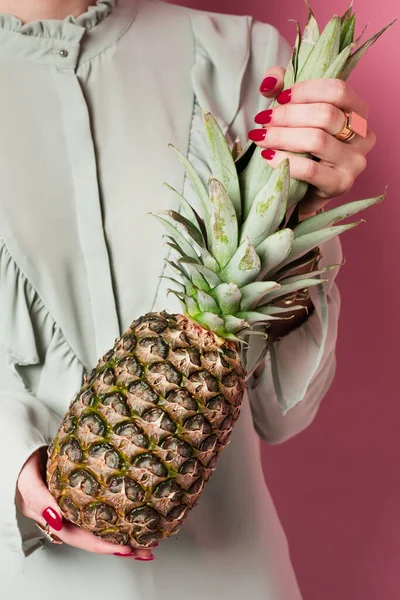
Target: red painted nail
(257, 135)
(127, 555)
(268, 154)
(52, 518)
(268, 84)
(263, 117)
(147, 558)
(155, 545)
(284, 97)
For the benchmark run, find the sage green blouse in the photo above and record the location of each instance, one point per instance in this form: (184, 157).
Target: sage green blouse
(88, 106)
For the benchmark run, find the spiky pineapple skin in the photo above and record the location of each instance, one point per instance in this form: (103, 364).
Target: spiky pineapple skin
(144, 433)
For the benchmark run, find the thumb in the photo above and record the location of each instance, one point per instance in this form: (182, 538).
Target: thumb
(34, 499)
(272, 84)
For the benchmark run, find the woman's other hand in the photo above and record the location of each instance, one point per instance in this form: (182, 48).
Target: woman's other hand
(35, 502)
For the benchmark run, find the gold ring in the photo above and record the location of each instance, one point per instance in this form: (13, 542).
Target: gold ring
(48, 534)
(355, 125)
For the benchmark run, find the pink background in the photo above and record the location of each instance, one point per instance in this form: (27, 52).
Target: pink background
(337, 486)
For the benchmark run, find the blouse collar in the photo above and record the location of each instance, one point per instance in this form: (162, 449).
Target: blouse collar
(70, 41)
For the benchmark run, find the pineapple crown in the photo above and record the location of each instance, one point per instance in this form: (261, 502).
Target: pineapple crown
(237, 249)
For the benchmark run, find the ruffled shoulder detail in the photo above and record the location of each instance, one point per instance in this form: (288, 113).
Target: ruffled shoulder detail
(222, 51)
(231, 55)
(35, 347)
(16, 297)
(58, 29)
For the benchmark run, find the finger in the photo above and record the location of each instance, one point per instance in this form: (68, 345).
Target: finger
(272, 82)
(80, 538)
(34, 499)
(329, 181)
(304, 139)
(332, 91)
(36, 502)
(319, 115)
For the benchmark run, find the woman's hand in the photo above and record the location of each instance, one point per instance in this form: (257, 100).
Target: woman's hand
(35, 502)
(309, 116)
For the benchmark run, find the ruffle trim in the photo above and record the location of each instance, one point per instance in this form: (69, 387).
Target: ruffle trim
(58, 29)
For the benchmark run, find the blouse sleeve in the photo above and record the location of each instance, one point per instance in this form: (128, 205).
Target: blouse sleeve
(232, 55)
(33, 362)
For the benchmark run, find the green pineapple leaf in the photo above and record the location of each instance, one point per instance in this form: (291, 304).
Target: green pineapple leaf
(253, 293)
(347, 14)
(274, 249)
(228, 296)
(191, 234)
(210, 276)
(176, 282)
(190, 230)
(180, 271)
(233, 324)
(292, 287)
(311, 275)
(187, 211)
(334, 215)
(305, 243)
(324, 52)
(253, 177)
(177, 236)
(206, 303)
(347, 33)
(253, 317)
(221, 161)
(243, 267)
(354, 59)
(336, 67)
(276, 310)
(309, 39)
(293, 65)
(197, 184)
(269, 206)
(223, 224)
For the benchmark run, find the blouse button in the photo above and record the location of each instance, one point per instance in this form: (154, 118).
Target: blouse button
(63, 53)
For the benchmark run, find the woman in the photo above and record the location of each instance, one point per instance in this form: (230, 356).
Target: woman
(89, 103)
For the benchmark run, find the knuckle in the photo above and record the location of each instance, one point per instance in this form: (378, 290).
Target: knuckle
(345, 183)
(326, 114)
(319, 140)
(361, 163)
(340, 89)
(311, 170)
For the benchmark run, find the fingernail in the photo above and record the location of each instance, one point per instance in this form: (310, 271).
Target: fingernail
(121, 554)
(147, 558)
(263, 117)
(155, 545)
(284, 97)
(268, 84)
(257, 135)
(268, 154)
(52, 518)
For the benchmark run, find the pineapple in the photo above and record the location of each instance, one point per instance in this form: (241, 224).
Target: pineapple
(143, 435)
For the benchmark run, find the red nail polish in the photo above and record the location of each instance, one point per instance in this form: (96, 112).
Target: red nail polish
(52, 518)
(146, 558)
(284, 97)
(268, 154)
(268, 84)
(263, 117)
(155, 545)
(257, 135)
(126, 555)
